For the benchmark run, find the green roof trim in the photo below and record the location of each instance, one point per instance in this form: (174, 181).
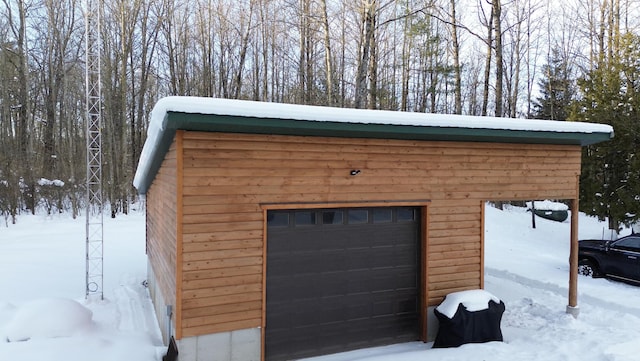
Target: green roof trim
(230, 116)
(255, 125)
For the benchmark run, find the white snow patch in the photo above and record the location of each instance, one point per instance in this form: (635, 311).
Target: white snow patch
(6, 312)
(48, 318)
(472, 300)
(47, 182)
(548, 205)
(625, 351)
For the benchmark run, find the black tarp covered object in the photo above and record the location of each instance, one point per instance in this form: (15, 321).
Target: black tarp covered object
(470, 326)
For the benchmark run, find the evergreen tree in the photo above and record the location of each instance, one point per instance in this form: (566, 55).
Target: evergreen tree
(610, 180)
(557, 88)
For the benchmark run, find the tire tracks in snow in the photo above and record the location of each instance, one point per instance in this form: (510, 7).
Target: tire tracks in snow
(134, 311)
(562, 291)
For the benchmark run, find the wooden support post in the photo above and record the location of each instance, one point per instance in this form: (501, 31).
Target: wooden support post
(572, 307)
(179, 142)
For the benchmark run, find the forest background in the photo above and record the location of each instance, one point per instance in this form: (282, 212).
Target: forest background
(560, 60)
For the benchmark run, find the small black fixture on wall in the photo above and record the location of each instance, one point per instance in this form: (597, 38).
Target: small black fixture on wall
(355, 172)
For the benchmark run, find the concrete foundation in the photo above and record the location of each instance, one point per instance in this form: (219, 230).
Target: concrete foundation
(432, 324)
(240, 345)
(573, 311)
(159, 306)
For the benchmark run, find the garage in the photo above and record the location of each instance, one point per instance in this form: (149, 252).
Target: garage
(341, 279)
(278, 231)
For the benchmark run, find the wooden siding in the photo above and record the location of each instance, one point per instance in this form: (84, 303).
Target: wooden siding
(227, 177)
(162, 227)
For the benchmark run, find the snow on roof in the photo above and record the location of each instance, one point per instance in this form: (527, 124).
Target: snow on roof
(276, 114)
(244, 108)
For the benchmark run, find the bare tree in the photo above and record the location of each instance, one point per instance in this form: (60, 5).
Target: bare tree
(487, 68)
(142, 78)
(497, 25)
(204, 47)
(327, 52)
(305, 59)
(244, 30)
(368, 14)
(57, 54)
(23, 103)
(10, 164)
(455, 47)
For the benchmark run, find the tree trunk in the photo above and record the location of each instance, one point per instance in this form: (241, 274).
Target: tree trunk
(487, 64)
(366, 42)
(327, 53)
(343, 61)
(497, 14)
(407, 45)
(456, 61)
(515, 86)
(304, 49)
(373, 70)
(23, 105)
(243, 55)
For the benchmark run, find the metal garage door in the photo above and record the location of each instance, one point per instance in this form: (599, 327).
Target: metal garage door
(341, 279)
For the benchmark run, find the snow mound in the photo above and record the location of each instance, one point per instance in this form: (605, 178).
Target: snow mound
(473, 300)
(48, 318)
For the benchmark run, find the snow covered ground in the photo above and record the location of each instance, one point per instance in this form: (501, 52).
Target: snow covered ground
(42, 279)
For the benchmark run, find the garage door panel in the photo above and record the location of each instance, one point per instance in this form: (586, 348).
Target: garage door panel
(341, 286)
(308, 262)
(312, 286)
(319, 286)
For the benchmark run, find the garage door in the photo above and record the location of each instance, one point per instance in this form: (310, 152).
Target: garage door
(341, 279)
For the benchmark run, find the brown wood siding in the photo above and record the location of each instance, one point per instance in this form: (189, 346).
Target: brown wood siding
(161, 227)
(228, 176)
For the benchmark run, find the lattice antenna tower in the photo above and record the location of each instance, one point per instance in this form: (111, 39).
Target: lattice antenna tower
(93, 96)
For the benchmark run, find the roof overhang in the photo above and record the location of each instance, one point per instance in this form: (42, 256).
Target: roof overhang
(237, 116)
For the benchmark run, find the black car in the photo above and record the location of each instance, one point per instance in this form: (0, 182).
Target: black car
(618, 259)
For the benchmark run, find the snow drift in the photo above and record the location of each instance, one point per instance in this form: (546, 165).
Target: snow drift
(48, 318)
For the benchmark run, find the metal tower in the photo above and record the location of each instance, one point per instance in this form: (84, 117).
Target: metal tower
(94, 226)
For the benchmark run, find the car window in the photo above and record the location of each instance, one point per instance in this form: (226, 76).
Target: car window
(630, 243)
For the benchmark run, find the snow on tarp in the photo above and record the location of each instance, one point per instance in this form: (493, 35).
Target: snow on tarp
(472, 300)
(48, 318)
(243, 108)
(548, 205)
